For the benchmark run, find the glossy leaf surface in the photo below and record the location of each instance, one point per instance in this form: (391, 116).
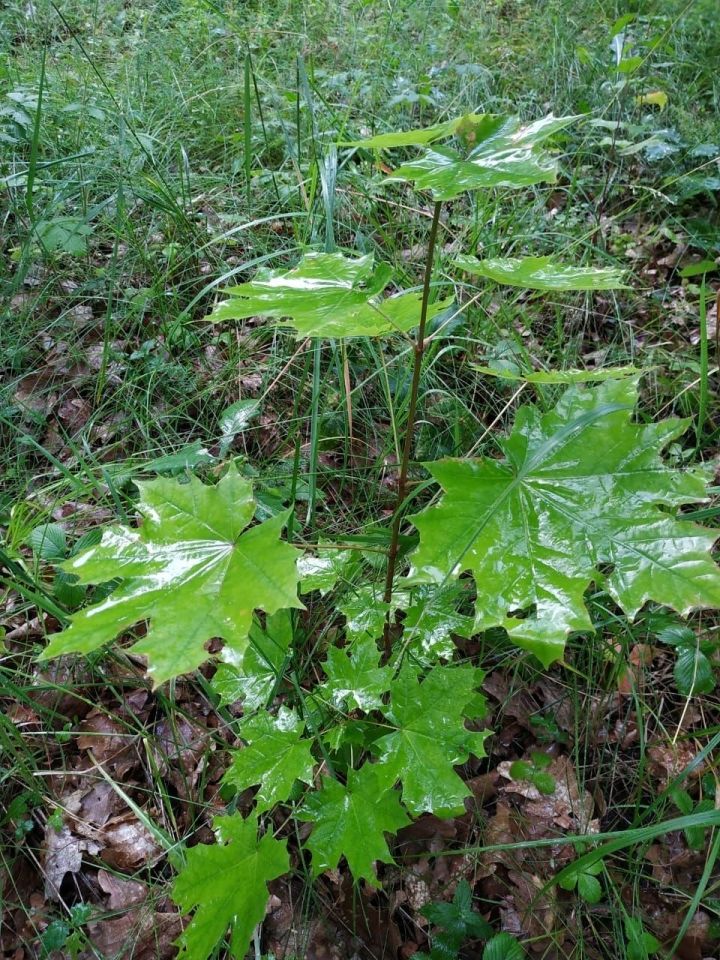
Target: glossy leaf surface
(226, 885)
(365, 613)
(355, 679)
(501, 152)
(541, 273)
(351, 821)
(430, 737)
(255, 676)
(431, 619)
(192, 570)
(275, 757)
(580, 488)
(328, 295)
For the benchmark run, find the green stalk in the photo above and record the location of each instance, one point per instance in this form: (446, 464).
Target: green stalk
(704, 364)
(419, 351)
(247, 131)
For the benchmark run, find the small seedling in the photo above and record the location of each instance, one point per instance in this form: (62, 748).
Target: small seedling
(535, 772)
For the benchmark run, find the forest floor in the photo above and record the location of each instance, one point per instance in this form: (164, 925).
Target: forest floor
(153, 152)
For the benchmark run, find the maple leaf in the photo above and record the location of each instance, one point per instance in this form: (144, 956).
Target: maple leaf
(430, 736)
(275, 757)
(254, 678)
(581, 487)
(192, 570)
(328, 295)
(542, 273)
(432, 619)
(226, 885)
(365, 612)
(355, 677)
(498, 151)
(351, 821)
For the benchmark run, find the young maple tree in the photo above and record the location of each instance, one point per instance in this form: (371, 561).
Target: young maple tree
(580, 495)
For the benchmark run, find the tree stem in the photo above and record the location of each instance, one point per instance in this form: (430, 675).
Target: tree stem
(419, 350)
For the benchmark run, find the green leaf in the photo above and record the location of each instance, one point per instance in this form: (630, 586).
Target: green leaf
(275, 757)
(322, 569)
(561, 376)
(420, 136)
(365, 612)
(640, 943)
(580, 488)
(503, 946)
(355, 680)
(328, 295)
(64, 235)
(235, 419)
(186, 458)
(521, 770)
(504, 154)
(589, 888)
(48, 542)
(190, 570)
(260, 666)
(351, 821)
(226, 886)
(677, 635)
(544, 783)
(430, 737)
(693, 671)
(458, 920)
(431, 620)
(542, 273)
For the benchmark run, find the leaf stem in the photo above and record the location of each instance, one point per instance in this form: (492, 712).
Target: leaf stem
(419, 350)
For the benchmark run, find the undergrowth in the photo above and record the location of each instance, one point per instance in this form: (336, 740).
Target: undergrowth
(415, 635)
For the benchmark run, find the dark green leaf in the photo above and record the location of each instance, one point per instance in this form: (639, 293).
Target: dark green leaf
(430, 737)
(275, 757)
(589, 888)
(47, 542)
(503, 946)
(260, 666)
(693, 672)
(226, 885)
(351, 821)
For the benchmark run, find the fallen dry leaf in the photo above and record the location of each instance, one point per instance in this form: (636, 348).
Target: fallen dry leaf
(128, 843)
(668, 760)
(109, 743)
(63, 854)
(122, 893)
